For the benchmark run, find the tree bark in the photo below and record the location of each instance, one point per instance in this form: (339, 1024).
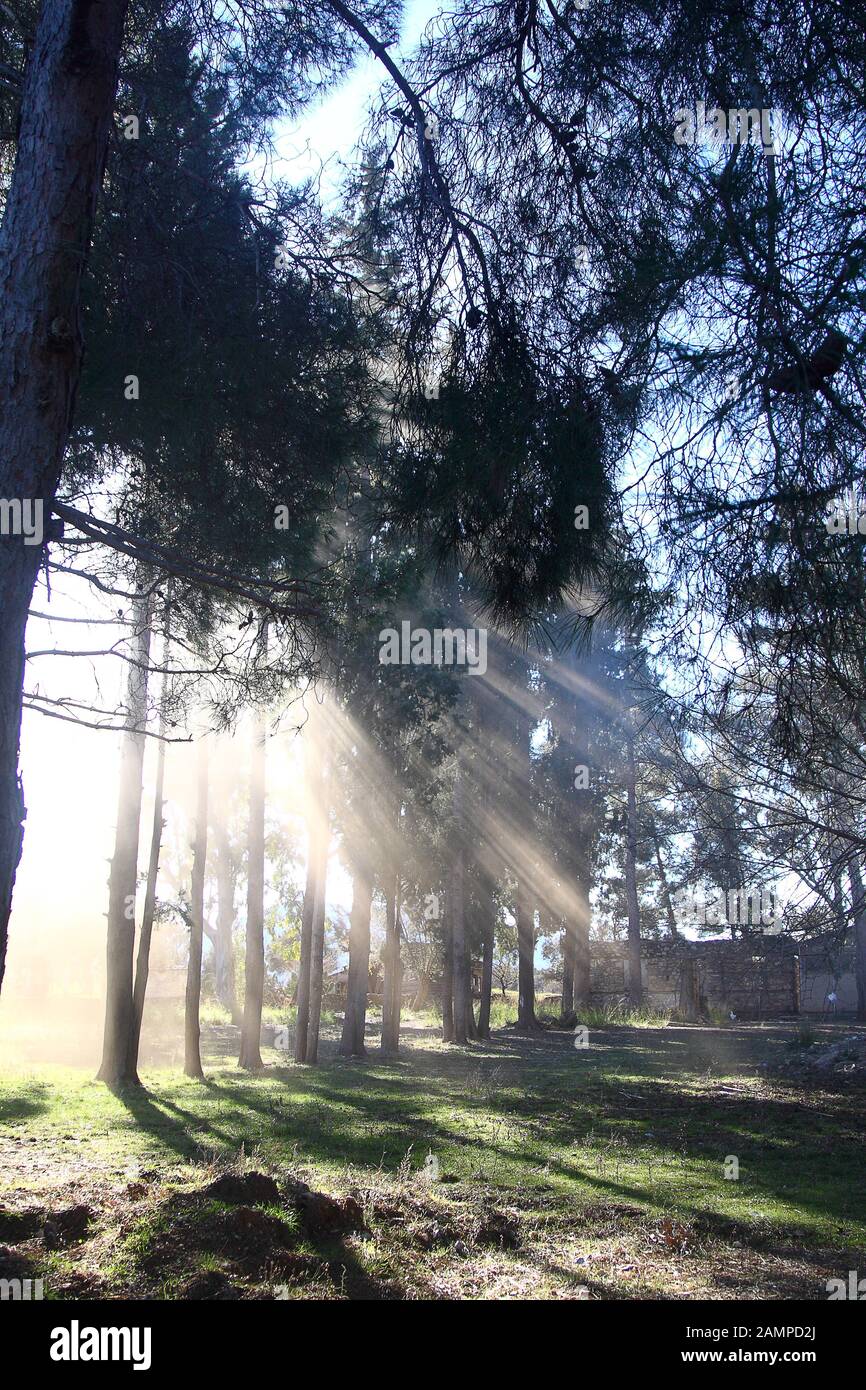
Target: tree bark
(223, 938)
(250, 1057)
(317, 951)
(666, 890)
(192, 1008)
(457, 903)
(354, 1021)
(393, 976)
(581, 945)
(635, 988)
(447, 983)
(67, 98)
(526, 1019)
(315, 869)
(142, 963)
(118, 1066)
(859, 907)
(569, 953)
(302, 996)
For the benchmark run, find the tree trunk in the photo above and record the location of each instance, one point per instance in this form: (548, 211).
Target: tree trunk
(223, 939)
(581, 945)
(423, 992)
(471, 1025)
(393, 979)
(302, 990)
(526, 1019)
(142, 963)
(569, 953)
(457, 903)
(118, 1066)
(447, 985)
(317, 951)
(67, 99)
(635, 990)
(666, 890)
(859, 906)
(315, 868)
(487, 940)
(354, 1021)
(254, 956)
(192, 1008)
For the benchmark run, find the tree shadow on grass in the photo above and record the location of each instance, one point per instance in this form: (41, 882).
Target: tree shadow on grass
(28, 1100)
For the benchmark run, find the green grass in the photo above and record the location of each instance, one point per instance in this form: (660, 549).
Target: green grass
(620, 1146)
(620, 1013)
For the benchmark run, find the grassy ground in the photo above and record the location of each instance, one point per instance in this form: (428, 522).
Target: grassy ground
(563, 1172)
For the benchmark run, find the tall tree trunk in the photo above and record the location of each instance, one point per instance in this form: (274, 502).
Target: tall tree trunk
(457, 903)
(526, 1019)
(142, 962)
(581, 943)
(223, 938)
(487, 945)
(319, 837)
(118, 1062)
(254, 955)
(192, 1008)
(447, 984)
(393, 976)
(666, 889)
(302, 993)
(315, 869)
(354, 1021)
(471, 1024)
(859, 905)
(67, 99)
(635, 990)
(569, 953)
(317, 951)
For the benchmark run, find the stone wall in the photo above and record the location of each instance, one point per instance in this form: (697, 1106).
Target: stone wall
(824, 969)
(751, 978)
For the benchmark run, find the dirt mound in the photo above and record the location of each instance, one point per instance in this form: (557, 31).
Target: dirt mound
(65, 1227)
(16, 1226)
(208, 1285)
(244, 1189)
(330, 1216)
(430, 1223)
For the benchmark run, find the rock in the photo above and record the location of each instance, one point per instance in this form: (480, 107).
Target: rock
(249, 1189)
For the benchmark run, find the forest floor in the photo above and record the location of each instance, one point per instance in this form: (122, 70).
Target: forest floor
(563, 1172)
